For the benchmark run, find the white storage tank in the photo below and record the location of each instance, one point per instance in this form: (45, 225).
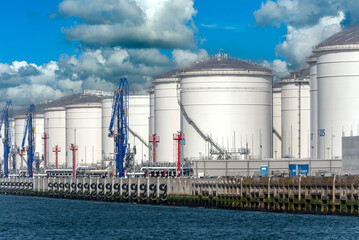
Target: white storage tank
(19, 134)
(296, 115)
(39, 131)
(277, 121)
(312, 61)
(166, 114)
(55, 128)
(151, 122)
(152, 112)
(338, 84)
(139, 113)
(108, 144)
(229, 100)
(84, 129)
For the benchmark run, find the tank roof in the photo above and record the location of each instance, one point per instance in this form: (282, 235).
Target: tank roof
(300, 75)
(349, 36)
(226, 63)
(170, 74)
(83, 99)
(61, 102)
(312, 59)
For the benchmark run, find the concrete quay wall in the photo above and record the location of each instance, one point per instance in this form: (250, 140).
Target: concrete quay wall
(319, 195)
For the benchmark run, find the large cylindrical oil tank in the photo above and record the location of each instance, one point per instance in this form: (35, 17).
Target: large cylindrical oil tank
(296, 115)
(167, 115)
(151, 121)
(39, 131)
(277, 121)
(139, 113)
(312, 61)
(108, 144)
(338, 84)
(55, 128)
(229, 100)
(83, 129)
(19, 134)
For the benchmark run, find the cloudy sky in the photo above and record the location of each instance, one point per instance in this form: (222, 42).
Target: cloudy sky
(49, 49)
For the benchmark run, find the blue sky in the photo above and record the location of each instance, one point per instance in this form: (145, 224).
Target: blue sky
(29, 33)
(230, 24)
(49, 49)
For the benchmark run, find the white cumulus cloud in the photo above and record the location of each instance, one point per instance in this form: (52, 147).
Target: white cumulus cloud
(307, 22)
(132, 23)
(279, 68)
(300, 41)
(183, 58)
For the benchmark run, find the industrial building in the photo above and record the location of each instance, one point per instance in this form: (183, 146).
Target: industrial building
(166, 115)
(82, 120)
(229, 101)
(338, 99)
(295, 115)
(216, 116)
(312, 62)
(277, 121)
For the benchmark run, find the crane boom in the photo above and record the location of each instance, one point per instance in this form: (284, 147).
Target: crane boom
(120, 117)
(6, 139)
(30, 133)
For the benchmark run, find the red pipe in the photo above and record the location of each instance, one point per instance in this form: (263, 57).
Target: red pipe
(73, 148)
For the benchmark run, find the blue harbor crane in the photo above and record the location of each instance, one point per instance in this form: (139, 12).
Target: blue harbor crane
(30, 132)
(118, 128)
(6, 139)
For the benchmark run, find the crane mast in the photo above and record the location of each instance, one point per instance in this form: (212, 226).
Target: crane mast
(6, 139)
(30, 133)
(118, 128)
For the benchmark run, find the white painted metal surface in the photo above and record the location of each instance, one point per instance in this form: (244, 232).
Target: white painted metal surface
(151, 121)
(312, 61)
(19, 134)
(55, 127)
(39, 142)
(277, 122)
(139, 113)
(152, 112)
(233, 107)
(83, 128)
(338, 98)
(295, 119)
(167, 116)
(108, 144)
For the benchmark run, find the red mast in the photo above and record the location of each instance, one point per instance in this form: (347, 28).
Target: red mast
(73, 148)
(154, 139)
(179, 136)
(56, 150)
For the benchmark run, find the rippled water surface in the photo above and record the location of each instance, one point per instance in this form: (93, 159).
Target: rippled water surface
(42, 218)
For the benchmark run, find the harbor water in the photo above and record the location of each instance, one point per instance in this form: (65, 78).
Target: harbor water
(44, 218)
